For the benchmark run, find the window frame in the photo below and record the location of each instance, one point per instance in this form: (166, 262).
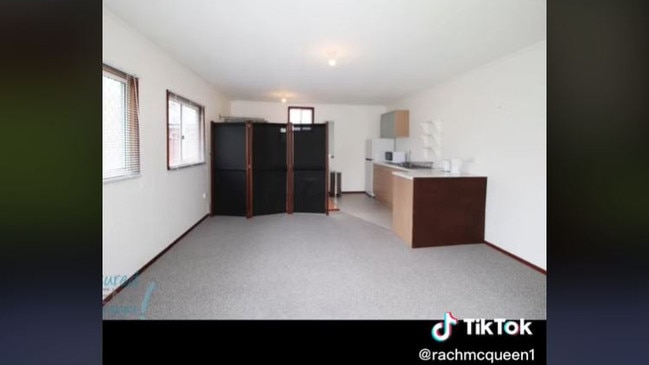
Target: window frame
(201, 122)
(132, 139)
(301, 108)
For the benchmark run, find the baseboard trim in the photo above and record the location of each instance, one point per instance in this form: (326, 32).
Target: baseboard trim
(353, 192)
(522, 261)
(137, 273)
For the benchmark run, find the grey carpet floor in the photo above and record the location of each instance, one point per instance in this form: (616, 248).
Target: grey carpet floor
(366, 208)
(310, 266)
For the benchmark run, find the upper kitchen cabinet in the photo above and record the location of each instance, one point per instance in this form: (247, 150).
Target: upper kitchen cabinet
(395, 124)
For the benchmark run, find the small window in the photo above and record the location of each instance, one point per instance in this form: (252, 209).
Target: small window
(185, 136)
(120, 132)
(301, 115)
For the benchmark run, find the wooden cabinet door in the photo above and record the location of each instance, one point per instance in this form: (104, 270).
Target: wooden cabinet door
(383, 184)
(387, 125)
(379, 184)
(402, 211)
(401, 123)
(395, 124)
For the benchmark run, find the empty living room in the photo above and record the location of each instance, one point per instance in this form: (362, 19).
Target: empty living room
(298, 160)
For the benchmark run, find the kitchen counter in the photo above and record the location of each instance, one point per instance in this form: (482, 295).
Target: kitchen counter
(408, 173)
(429, 211)
(428, 173)
(385, 175)
(396, 167)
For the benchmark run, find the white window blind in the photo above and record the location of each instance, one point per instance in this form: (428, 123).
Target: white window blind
(185, 132)
(120, 131)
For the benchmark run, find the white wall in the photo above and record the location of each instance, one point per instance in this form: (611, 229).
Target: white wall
(142, 216)
(353, 124)
(494, 117)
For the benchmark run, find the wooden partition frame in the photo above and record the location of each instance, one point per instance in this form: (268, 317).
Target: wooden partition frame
(211, 164)
(326, 177)
(249, 193)
(289, 170)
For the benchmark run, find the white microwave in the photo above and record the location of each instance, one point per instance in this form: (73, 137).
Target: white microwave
(395, 156)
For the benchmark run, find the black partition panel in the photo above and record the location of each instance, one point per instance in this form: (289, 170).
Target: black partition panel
(310, 163)
(309, 191)
(268, 169)
(229, 192)
(310, 147)
(269, 147)
(229, 169)
(269, 192)
(229, 146)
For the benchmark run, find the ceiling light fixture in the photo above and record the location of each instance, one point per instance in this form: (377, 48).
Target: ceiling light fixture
(332, 59)
(283, 100)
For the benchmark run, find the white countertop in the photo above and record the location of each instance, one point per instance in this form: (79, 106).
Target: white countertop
(422, 173)
(432, 173)
(393, 166)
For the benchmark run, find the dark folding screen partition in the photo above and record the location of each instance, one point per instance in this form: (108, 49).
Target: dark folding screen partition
(229, 195)
(229, 146)
(268, 169)
(265, 144)
(310, 168)
(229, 192)
(309, 191)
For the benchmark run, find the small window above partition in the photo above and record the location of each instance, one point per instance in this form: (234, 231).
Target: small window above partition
(301, 115)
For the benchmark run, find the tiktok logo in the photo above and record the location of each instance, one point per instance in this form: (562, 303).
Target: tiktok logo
(449, 321)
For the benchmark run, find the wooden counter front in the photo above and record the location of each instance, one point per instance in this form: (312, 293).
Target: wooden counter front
(383, 180)
(439, 211)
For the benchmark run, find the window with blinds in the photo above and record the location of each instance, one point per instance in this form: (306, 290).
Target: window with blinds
(120, 131)
(185, 132)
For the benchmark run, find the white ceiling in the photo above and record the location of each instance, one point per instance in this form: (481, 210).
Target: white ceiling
(262, 49)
